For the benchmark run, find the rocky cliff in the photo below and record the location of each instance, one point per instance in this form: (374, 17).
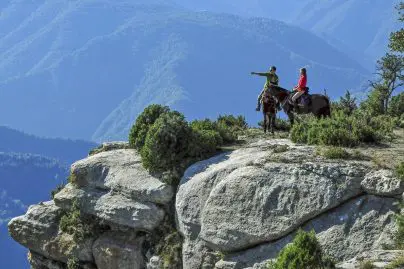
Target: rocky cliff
(235, 210)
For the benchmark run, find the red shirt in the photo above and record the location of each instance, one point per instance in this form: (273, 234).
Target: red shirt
(302, 83)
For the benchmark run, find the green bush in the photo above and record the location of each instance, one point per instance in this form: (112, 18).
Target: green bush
(400, 121)
(167, 143)
(334, 153)
(206, 138)
(346, 104)
(396, 108)
(400, 171)
(204, 143)
(343, 130)
(282, 125)
(73, 263)
(205, 124)
(399, 234)
(72, 223)
(304, 252)
(145, 120)
(231, 121)
(171, 251)
(229, 127)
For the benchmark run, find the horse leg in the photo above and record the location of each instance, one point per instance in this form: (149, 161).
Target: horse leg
(291, 118)
(265, 123)
(268, 120)
(272, 122)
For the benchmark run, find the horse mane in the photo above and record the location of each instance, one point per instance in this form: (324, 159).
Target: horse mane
(282, 93)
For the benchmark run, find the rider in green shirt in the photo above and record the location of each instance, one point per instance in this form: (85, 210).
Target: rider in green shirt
(272, 79)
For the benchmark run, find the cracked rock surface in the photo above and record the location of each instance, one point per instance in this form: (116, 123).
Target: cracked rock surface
(248, 203)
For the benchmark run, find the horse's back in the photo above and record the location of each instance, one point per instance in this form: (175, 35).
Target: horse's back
(320, 105)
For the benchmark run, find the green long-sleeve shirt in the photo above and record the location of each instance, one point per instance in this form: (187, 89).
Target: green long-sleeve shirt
(271, 79)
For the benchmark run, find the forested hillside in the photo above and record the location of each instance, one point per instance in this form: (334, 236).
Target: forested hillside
(95, 74)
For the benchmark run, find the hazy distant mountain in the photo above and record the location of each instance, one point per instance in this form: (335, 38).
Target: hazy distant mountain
(25, 179)
(66, 151)
(86, 68)
(285, 10)
(357, 27)
(30, 168)
(361, 25)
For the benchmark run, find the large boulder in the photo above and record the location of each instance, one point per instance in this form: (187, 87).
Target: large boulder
(113, 208)
(39, 231)
(249, 202)
(113, 187)
(121, 171)
(245, 199)
(119, 250)
(364, 223)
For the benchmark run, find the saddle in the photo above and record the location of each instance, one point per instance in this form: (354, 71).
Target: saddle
(304, 99)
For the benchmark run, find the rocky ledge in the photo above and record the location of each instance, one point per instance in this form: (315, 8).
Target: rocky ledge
(235, 210)
(114, 189)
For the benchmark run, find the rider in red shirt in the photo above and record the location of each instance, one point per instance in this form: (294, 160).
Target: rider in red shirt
(301, 87)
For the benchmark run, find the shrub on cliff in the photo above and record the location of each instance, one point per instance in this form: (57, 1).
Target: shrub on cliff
(230, 127)
(334, 153)
(167, 142)
(343, 130)
(304, 252)
(399, 171)
(204, 143)
(145, 120)
(205, 124)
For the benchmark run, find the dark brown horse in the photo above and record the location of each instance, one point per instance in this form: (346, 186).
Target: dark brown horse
(319, 105)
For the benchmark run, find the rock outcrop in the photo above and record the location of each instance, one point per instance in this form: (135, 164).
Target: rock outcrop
(235, 210)
(113, 188)
(248, 204)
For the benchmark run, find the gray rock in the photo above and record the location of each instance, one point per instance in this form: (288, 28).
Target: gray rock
(111, 207)
(244, 200)
(38, 230)
(364, 223)
(40, 262)
(194, 254)
(108, 146)
(254, 199)
(121, 171)
(379, 258)
(155, 262)
(270, 202)
(118, 250)
(383, 182)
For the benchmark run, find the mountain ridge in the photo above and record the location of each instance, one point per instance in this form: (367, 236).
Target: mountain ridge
(96, 82)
